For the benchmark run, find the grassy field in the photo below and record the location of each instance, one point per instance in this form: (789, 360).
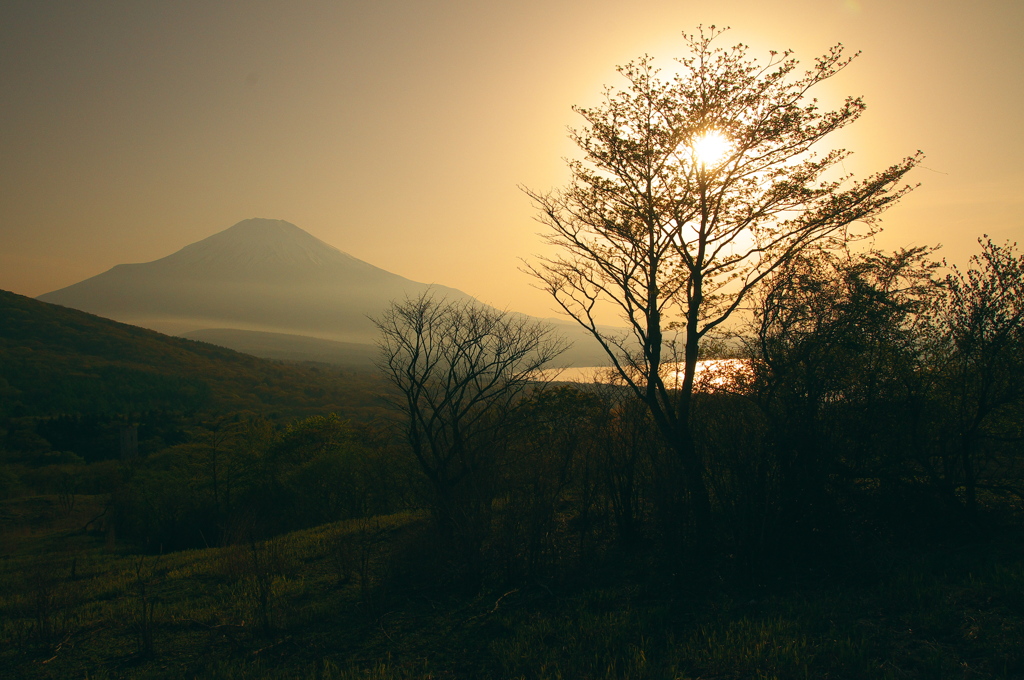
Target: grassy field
(350, 600)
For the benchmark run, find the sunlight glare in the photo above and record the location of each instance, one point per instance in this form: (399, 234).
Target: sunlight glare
(711, 148)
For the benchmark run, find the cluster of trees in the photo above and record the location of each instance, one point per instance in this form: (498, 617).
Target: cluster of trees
(190, 482)
(702, 213)
(877, 397)
(243, 478)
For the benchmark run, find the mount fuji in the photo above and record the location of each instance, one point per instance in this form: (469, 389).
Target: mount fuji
(268, 288)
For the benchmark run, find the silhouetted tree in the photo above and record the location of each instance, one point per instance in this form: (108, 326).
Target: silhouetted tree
(841, 349)
(692, 190)
(460, 369)
(984, 321)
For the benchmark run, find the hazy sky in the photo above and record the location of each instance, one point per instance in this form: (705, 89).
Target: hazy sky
(399, 130)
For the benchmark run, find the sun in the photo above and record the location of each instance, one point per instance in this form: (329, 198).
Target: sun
(711, 148)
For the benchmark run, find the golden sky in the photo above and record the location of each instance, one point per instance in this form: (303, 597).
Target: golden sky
(399, 130)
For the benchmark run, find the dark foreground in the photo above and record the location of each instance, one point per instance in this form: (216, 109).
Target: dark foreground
(350, 600)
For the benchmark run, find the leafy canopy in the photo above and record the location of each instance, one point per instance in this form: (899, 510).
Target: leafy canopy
(657, 226)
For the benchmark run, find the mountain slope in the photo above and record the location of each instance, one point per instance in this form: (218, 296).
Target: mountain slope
(287, 347)
(56, 360)
(259, 275)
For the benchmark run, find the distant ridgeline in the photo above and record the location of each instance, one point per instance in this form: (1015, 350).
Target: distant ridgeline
(59, 361)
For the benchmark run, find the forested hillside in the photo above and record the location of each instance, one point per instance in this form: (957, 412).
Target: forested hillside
(55, 360)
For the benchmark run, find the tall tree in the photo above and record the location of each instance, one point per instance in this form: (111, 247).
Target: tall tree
(692, 189)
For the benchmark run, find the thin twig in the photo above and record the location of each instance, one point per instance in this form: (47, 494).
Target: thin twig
(59, 646)
(497, 604)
